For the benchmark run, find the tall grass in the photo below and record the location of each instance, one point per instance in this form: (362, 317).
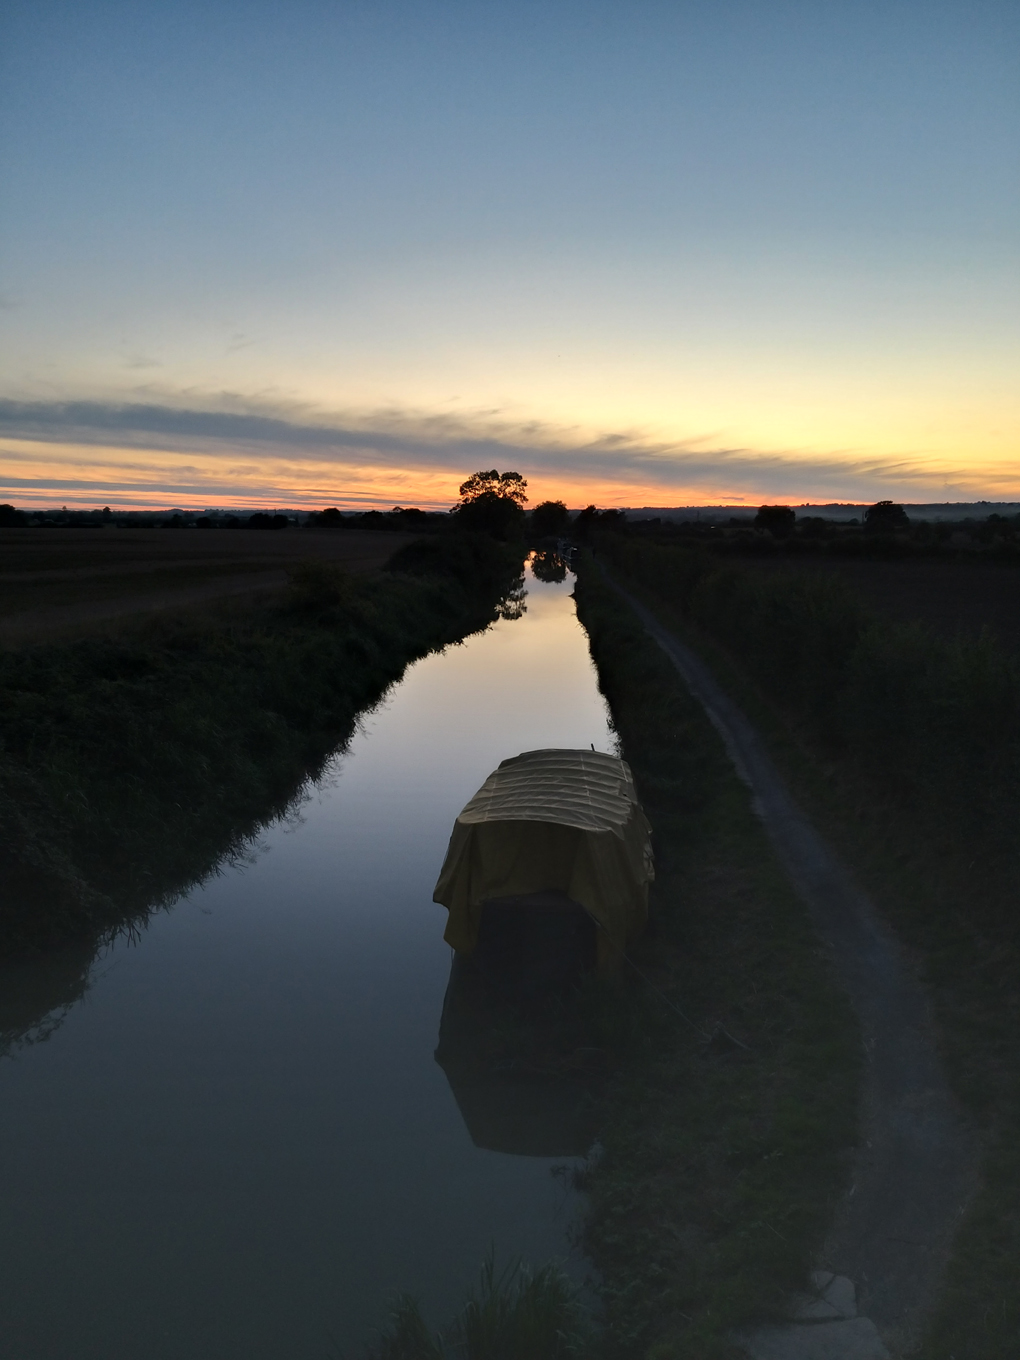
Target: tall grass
(519, 1314)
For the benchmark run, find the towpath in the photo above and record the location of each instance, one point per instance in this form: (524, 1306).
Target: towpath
(914, 1170)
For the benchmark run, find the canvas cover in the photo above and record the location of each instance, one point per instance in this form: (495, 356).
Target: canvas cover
(554, 819)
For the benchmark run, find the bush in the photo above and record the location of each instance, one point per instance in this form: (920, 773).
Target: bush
(778, 520)
(549, 520)
(519, 1315)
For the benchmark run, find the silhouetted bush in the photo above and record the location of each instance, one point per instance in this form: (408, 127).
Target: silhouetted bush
(778, 520)
(549, 520)
(884, 518)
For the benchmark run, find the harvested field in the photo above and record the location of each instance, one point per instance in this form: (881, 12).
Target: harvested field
(57, 583)
(956, 598)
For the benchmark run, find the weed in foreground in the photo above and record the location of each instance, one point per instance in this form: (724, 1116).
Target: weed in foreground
(520, 1314)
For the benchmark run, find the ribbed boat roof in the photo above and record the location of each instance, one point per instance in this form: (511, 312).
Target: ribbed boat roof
(585, 789)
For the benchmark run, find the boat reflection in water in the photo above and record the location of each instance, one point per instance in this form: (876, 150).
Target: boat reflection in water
(545, 880)
(510, 1039)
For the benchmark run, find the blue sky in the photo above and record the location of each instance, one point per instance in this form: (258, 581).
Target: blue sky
(646, 253)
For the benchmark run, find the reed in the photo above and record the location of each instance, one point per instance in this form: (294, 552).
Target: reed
(518, 1314)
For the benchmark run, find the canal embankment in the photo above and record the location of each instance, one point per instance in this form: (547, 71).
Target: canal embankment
(731, 1116)
(902, 744)
(132, 764)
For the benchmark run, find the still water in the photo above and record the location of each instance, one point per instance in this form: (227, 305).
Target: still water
(238, 1143)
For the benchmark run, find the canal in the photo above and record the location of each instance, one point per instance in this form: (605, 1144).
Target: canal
(237, 1142)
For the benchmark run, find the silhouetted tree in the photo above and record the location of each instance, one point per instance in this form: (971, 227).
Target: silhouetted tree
(408, 517)
(260, 520)
(884, 516)
(11, 518)
(590, 518)
(549, 519)
(507, 485)
(492, 503)
(778, 520)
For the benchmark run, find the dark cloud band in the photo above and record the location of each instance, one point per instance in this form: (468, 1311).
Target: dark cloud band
(408, 440)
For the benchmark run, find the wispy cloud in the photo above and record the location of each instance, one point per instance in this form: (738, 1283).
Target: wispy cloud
(233, 447)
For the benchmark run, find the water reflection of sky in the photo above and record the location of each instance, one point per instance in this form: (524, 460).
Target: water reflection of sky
(239, 1141)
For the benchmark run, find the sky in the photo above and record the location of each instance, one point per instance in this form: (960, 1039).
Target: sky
(312, 254)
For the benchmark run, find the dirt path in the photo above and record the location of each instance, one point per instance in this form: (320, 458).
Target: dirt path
(916, 1166)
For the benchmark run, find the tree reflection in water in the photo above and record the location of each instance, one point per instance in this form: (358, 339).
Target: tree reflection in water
(549, 566)
(512, 605)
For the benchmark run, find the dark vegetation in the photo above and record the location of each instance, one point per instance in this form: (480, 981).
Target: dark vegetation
(399, 519)
(493, 503)
(778, 520)
(130, 766)
(905, 744)
(519, 1314)
(882, 532)
(550, 519)
(731, 1110)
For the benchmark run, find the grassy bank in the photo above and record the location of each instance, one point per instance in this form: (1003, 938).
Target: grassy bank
(726, 1127)
(130, 766)
(516, 1314)
(906, 748)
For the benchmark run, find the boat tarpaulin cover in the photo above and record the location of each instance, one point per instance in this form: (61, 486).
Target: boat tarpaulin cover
(566, 820)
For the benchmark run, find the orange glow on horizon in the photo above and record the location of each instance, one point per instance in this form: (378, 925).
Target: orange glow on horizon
(38, 475)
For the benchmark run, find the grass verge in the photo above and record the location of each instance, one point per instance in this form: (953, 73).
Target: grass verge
(941, 865)
(727, 1128)
(519, 1314)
